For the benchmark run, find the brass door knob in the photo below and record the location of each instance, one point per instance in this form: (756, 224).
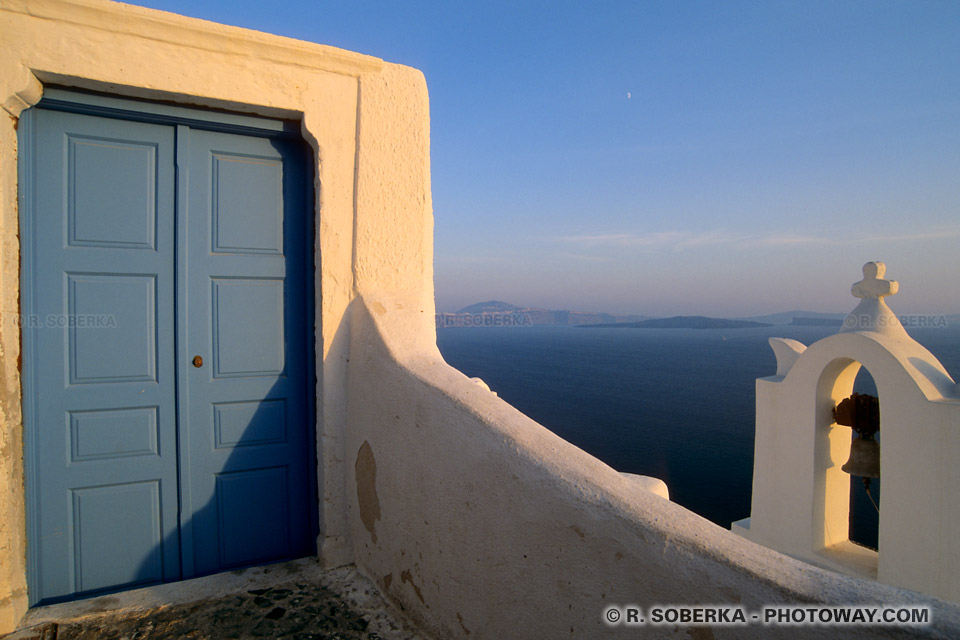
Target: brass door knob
(197, 361)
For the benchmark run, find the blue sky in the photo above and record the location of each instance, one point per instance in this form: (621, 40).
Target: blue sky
(663, 158)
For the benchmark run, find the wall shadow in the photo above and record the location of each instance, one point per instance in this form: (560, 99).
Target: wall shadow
(244, 535)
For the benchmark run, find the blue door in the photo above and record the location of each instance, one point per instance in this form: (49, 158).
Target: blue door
(166, 350)
(244, 407)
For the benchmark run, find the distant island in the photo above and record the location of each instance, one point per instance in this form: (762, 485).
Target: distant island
(495, 313)
(817, 322)
(682, 322)
(788, 317)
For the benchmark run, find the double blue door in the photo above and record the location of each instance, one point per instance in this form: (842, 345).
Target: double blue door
(166, 345)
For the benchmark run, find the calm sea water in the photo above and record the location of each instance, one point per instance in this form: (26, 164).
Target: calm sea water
(677, 404)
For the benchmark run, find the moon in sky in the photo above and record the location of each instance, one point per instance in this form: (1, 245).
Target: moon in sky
(628, 95)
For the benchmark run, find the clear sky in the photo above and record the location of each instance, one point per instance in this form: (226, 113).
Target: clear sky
(672, 157)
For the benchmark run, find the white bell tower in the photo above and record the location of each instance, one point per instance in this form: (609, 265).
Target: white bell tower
(801, 496)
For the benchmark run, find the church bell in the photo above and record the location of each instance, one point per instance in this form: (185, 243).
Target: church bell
(862, 412)
(864, 458)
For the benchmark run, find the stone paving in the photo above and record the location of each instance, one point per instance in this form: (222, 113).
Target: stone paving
(337, 604)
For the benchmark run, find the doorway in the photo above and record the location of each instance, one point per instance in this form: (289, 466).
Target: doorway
(166, 303)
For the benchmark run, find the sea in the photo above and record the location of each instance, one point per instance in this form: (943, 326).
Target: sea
(676, 404)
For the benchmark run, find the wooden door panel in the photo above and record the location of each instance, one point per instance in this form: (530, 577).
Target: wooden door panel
(246, 419)
(99, 354)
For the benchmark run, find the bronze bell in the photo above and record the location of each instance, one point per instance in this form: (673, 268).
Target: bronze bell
(862, 412)
(864, 458)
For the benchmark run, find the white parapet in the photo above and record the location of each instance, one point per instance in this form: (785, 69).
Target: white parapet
(655, 486)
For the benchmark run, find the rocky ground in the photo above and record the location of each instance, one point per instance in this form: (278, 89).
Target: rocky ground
(340, 605)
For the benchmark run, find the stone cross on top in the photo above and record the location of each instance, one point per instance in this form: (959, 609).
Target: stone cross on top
(872, 313)
(873, 284)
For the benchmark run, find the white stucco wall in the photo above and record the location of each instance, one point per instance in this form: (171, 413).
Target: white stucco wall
(479, 521)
